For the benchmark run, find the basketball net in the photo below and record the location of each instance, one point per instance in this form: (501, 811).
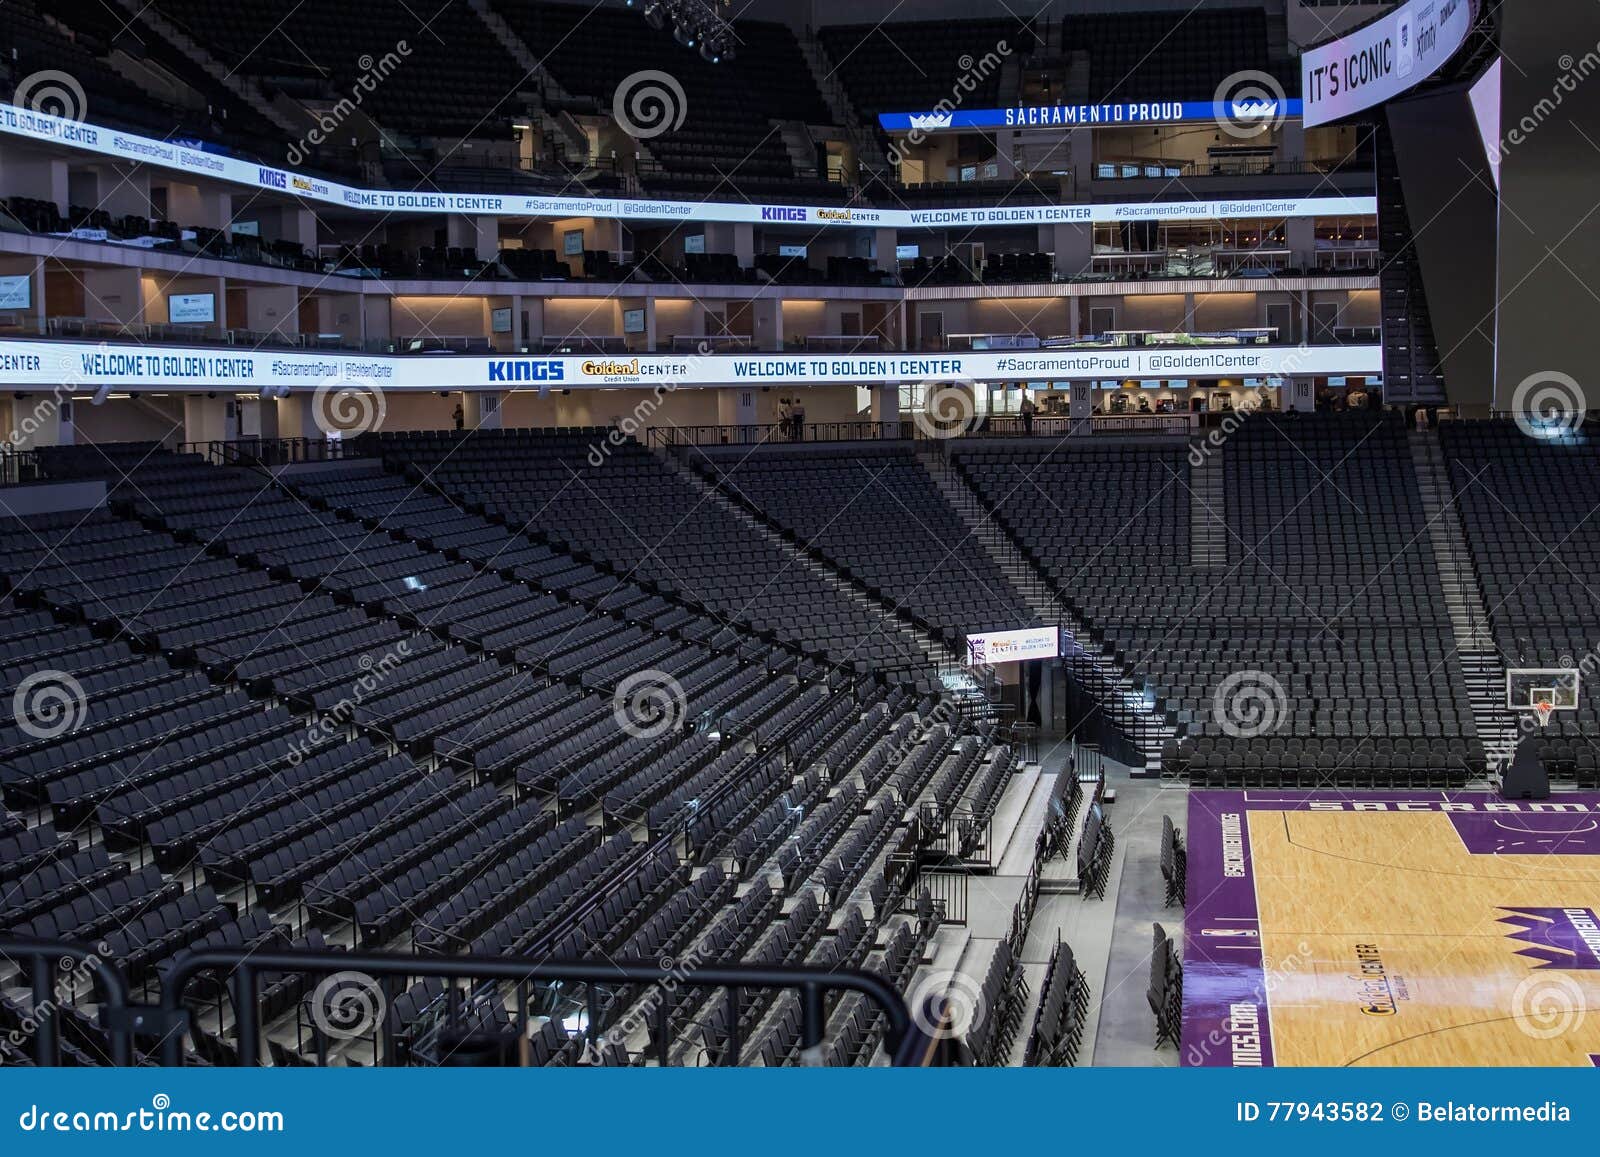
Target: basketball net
(1544, 711)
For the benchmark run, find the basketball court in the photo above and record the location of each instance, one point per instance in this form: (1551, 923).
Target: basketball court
(1400, 928)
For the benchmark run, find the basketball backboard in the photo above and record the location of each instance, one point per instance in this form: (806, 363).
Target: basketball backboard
(1542, 690)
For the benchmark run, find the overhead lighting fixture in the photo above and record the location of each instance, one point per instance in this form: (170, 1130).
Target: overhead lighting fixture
(695, 24)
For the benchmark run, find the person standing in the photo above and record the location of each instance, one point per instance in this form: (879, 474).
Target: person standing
(799, 420)
(1027, 409)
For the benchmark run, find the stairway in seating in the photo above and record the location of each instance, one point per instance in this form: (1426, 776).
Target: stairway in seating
(802, 150)
(508, 38)
(1410, 351)
(1469, 619)
(1208, 528)
(1094, 668)
(242, 87)
(940, 658)
(870, 156)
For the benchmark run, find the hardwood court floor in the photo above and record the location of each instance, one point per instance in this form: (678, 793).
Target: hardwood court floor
(1404, 937)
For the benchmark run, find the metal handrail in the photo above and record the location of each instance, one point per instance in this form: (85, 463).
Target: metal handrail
(45, 958)
(907, 1043)
(905, 1047)
(266, 451)
(756, 435)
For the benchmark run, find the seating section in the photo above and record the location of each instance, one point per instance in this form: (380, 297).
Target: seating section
(906, 66)
(726, 141)
(1322, 655)
(332, 707)
(837, 504)
(637, 517)
(451, 77)
(1525, 505)
(1138, 56)
(74, 40)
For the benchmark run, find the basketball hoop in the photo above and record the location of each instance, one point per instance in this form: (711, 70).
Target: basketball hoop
(1544, 709)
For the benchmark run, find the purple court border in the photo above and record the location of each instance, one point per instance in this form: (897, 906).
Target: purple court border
(1227, 1018)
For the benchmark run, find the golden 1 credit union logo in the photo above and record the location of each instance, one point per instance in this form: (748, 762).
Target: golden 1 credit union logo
(606, 368)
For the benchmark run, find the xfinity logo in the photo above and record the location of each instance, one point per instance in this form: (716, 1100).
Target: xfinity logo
(782, 213)
(274, 179)
(525, 371)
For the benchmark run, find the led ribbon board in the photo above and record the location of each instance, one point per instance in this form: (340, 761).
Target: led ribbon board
(131, 367)
(41, 128)
(1071, 116)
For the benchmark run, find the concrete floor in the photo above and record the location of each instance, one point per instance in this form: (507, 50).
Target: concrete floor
(1110, 938)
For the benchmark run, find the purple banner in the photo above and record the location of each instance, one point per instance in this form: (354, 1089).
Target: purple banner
(1226, 1020)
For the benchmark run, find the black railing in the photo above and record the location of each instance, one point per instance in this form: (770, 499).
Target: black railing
(946, 889)
(757, 435)
(907, 429)
(166, 1023)
(54, 969)
(17, 466)
(267, 451)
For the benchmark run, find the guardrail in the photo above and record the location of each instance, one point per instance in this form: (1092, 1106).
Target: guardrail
(991, 426)
(243, 968)
(17, 466)
(267, 451)
(760, 435)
